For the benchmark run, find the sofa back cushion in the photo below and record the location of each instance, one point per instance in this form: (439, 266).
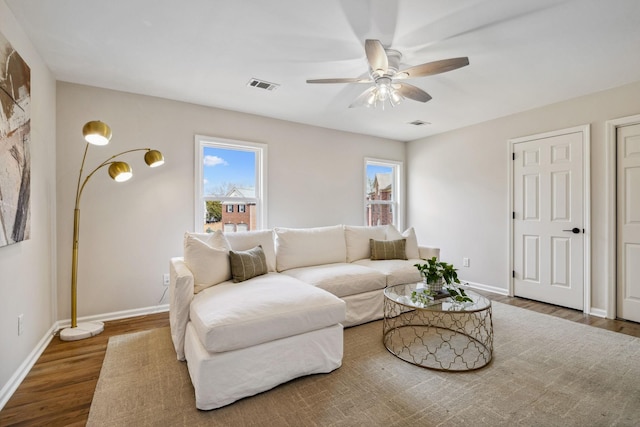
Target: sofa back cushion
(357, 240)
(209, 265)
(245, 240)
(305, 247)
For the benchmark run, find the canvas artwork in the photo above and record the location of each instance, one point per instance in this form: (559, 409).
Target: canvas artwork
(15, 161)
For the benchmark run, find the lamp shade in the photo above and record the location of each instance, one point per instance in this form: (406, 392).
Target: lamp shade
(120, 171)
(154, 158)
(96, 133)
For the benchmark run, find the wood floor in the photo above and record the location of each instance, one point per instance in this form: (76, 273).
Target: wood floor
(59, 389)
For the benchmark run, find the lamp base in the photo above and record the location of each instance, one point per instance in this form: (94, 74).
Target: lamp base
(82, 331)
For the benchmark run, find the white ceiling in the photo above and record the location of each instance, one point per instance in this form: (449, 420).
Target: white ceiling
(523, 53)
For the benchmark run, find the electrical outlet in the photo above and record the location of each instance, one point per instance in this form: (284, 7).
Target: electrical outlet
(20, 318)
(465, 262)
(165, 279)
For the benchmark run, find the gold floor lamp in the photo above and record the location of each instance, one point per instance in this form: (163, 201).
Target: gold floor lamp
(96, 133)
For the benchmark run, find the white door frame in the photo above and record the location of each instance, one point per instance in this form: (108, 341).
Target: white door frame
(611, 276)
(586, 201)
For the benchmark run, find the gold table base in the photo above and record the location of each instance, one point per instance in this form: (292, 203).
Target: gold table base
(441, 340)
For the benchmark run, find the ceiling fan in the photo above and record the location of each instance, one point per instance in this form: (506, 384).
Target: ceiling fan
(388, 81)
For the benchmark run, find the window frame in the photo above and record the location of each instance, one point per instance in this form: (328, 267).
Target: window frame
(260, 151)
(397, 202)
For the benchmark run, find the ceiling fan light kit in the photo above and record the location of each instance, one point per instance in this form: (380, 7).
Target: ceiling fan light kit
(387, 80)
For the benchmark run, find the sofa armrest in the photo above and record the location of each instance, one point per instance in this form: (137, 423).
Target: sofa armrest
(428, 253)
(180, 296)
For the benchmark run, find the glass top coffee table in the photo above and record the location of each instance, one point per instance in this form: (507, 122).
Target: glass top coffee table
(441, 334)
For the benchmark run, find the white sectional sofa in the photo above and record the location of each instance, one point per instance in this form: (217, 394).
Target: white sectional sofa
(283, 316)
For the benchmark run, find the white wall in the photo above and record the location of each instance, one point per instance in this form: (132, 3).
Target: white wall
(129, 231)
(458, 185)
(26, 277)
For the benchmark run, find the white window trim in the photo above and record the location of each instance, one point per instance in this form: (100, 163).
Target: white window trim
(261, 177)
(398, 194)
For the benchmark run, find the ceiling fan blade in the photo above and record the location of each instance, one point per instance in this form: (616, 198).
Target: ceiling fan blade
(431, 68)
(376, 56)
(361, 100)
(412, 92)
(345, 80)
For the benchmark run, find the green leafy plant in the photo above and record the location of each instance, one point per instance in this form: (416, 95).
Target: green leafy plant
(458, 294)
(423, 296)
(434, 270)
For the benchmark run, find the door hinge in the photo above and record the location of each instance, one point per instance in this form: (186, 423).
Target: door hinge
(513, 273)
(513, 156)
(513, 216)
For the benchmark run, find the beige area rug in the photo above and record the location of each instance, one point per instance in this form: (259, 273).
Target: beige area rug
(545, 371)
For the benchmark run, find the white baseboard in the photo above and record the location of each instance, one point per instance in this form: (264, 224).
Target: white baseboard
(598, 312)
(61, 324)
(16, 379)
(487, 288)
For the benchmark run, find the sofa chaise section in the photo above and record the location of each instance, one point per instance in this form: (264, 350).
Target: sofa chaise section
(246, 338)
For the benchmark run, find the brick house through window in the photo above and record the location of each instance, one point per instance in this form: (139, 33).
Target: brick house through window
(240, 216)
(381, 214)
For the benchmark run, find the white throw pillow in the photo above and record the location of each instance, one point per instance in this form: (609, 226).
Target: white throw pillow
(208, 265)
(305, 247)
(357, 240)
(216, 240)
(411, 246)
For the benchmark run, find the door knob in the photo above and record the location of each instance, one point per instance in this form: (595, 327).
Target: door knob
(574, 230)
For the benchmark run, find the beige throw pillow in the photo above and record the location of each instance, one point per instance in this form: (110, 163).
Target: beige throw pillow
(208, 265)
(388, 249)
(247, 264)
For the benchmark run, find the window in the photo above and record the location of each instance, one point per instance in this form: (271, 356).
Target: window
(229, 173)
(383, 192)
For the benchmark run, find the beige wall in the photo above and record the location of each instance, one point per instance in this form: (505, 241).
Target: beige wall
(458, 185)
(130, 230)
(26, 278)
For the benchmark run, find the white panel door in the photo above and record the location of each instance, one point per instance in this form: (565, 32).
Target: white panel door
(548, 219)
(628, 207)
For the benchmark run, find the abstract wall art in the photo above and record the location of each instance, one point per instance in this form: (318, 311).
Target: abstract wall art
(15, 159)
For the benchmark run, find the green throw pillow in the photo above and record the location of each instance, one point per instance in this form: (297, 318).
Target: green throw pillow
(387, 249)
(247, 264)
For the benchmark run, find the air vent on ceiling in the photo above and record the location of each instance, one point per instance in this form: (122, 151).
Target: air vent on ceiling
(261, 84)
(419, 123)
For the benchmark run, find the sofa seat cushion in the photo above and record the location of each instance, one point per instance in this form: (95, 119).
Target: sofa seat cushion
(341, 279)
(232, 316)
(397, 271)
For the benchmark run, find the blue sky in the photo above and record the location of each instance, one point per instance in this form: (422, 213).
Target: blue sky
(222, 166)
(372, 170)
